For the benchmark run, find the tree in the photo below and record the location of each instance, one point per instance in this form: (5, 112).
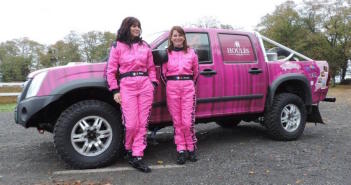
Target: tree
(95, 45)
(108, 39)
(31, 50)
(209, 22)
(226, 26)
(337, 26)
(18, 57)
(15, 68)
(48, 59)
(61, 53)
(312, 15)
(284, 25)
(319, 29)
(73, 42)
(8, 48)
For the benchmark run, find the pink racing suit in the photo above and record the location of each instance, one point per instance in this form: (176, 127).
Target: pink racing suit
(181, 98)
(136, 91)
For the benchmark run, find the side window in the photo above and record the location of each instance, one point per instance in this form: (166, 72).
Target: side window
(236, 48)
(198, 41)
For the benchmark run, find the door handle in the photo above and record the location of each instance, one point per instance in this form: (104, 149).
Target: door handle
(255, 71)
(208, 72)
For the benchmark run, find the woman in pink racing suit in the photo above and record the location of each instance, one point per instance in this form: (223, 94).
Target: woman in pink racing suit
(131, 76)
(180, 74)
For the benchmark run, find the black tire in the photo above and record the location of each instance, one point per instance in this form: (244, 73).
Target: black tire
(67, 121)
(272, 118)
(228, 122)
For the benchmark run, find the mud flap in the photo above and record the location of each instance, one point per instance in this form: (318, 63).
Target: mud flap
(314, 115)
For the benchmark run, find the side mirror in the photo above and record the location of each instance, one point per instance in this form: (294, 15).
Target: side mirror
(160, 56)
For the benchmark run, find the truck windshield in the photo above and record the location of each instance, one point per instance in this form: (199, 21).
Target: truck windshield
(150, 38)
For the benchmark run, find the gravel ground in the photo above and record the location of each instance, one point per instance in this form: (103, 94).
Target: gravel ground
(244, 155)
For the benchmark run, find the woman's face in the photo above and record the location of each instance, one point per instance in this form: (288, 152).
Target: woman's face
(134, 31)
(177, 39)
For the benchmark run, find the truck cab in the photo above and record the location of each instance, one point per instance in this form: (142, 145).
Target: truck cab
(232, 74)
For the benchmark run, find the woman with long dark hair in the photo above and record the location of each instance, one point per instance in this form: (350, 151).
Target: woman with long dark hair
(131, 76)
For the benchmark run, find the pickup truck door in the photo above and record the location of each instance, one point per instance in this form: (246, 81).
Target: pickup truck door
(207, 91)
(242, 71)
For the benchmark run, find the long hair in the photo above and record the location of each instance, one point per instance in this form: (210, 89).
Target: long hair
(181, 31)
(123, 33)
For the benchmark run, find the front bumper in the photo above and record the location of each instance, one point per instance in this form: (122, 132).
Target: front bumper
(28, 108)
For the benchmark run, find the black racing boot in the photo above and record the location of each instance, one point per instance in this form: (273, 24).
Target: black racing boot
(138, 163)
(181, 157)
(128, 155)
(192, 156)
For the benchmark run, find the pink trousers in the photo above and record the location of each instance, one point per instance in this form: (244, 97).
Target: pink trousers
(136, 101)
(181, 103)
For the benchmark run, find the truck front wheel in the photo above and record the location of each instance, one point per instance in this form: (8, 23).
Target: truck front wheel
(89, 134)
(286, 118)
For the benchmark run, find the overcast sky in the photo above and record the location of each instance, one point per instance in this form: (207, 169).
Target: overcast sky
(48, 21)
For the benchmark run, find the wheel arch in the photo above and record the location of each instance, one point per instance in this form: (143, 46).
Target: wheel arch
(292, 83)
(68, 95)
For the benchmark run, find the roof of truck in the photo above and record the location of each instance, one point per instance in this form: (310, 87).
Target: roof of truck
(216, 30)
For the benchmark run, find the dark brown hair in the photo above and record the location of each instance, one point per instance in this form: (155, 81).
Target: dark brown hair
(123, 33)
(181, 31)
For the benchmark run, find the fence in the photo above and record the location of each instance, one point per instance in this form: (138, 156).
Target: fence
(11, 84)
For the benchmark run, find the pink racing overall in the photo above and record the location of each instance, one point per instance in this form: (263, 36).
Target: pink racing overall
(180, 74)
(135, 70)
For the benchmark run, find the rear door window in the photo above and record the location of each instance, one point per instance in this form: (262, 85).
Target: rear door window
(236, 48)
(200, 42)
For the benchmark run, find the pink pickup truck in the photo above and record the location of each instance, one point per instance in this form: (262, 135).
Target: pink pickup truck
(244, 76)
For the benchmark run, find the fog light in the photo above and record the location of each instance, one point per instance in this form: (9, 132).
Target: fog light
(24, 110)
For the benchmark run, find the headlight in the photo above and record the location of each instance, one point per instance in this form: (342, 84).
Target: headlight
(35, 84)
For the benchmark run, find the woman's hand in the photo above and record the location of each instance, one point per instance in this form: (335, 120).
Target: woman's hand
(154, 84)
(117, 97)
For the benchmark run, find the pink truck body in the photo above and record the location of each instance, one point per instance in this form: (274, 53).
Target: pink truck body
(237, 79)
(233, 90)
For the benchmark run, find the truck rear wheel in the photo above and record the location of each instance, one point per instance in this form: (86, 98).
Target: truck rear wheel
(286, 118)
(89, 134)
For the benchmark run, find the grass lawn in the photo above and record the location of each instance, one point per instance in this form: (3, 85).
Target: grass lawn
(7, 107)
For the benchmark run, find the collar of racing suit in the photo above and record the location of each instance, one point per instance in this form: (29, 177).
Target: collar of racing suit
(135, 40)
(178, 49)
